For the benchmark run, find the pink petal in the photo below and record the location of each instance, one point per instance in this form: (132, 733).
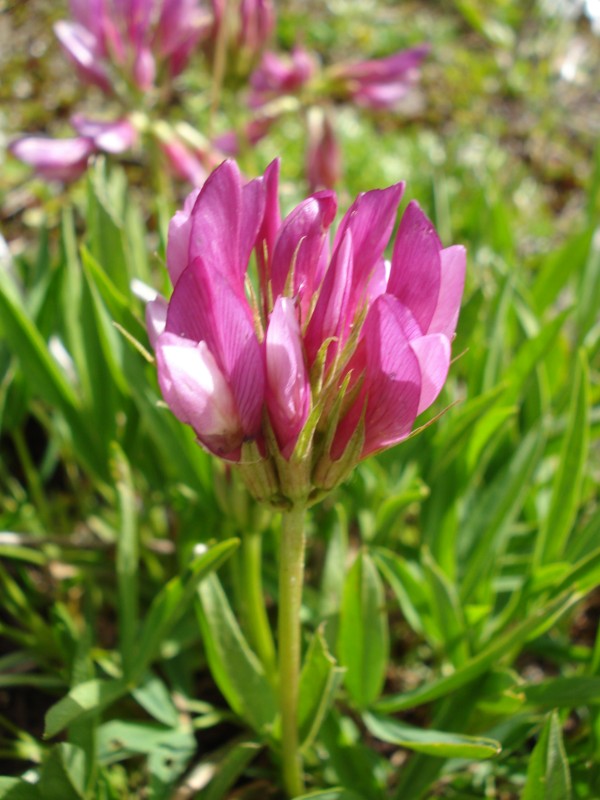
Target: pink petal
(225, 220)
(54, 159)
(392, 383)
(371, 219)
(156, 318)
(288, 389)
(144, 69)
(445, 317)
(197, 392)
(267, 234)
(178, 239)
(330, 317)
(300, 244)
(85, 50)
(205, 307)
(112, 137)
(433, 354)
(184, 162)
(415, 275)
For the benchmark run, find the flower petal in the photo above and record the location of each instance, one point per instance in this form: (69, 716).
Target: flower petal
(433, 354)
(178, 240)
(112, 137)
(300, 243)
(85, 50)
(197, 392)
(445, 317)
(225, 222)
(54, 159)
(330, 317)
(371, 219)
(288, 388)
(206, 307)
(156, 318)
(415, 275)
(392, 381)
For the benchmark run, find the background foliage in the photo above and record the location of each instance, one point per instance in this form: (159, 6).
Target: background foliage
(451, 600)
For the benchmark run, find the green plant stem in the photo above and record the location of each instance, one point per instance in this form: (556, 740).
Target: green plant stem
(291, 576)
(259, 629)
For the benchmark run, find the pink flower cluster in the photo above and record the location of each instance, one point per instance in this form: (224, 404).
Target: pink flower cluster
(131, 39)
(375, 84)
(324, 357)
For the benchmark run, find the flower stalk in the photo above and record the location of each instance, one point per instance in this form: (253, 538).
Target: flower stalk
(291, 577)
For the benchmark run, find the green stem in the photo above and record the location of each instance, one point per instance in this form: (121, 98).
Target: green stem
(259, 629)
(291, 576)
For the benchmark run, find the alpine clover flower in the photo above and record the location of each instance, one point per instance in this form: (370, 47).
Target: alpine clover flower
(131, 39)
(322, 355)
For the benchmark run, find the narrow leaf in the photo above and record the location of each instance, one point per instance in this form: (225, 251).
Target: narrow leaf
(235, 667)
(566, 488)
(363, 643)
(548, 774)
(319, 682)
(85, 698)
(433, 743)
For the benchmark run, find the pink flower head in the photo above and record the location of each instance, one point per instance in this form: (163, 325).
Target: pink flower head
(332, 354)
(54, 159)
(133, 38)
(380, 83)
(278, 75)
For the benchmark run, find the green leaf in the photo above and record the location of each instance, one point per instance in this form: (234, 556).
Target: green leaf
(127, 560)
(106, 202)
(319, 682)
(18, 789)
(85, 698)
(558, 266)
(408, 583)
(63, 773)
(566, 488)
(530, 355)
(548, 775)
(363, 643)
(171, 602)
(448, 612)
(154, 697)
(235, 667)
(219, 771)
(562, 692)
(484, 532)
(433, 743)
(503, 645)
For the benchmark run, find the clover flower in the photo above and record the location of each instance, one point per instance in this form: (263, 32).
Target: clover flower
(323, 356)
(131, 39)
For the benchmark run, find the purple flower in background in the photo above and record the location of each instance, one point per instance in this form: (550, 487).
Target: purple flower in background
(67, 159)
(338, 352)
(54, 159)
(133, 38)
(379, 83)
(278, 75)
